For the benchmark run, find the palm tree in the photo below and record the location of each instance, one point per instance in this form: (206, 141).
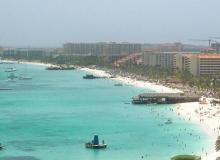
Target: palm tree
(217, 144)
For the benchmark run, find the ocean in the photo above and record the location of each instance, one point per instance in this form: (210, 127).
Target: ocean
(52, 116)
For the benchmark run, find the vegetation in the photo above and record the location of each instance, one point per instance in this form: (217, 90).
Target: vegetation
(161, 74)
(217, 144)
(186, 157)
(79, 60)
(152, 72)
(61, 59)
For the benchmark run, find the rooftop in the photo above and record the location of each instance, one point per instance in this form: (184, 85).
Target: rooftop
(209, 55)
(204, 55)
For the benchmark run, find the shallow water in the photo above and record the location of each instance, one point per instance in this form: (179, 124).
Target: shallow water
(51, 117)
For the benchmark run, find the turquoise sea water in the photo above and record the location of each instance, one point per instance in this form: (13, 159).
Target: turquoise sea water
(51, 117)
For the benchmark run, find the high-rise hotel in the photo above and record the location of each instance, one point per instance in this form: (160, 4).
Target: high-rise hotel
(101, 48)
(198, 64)
(194, 62)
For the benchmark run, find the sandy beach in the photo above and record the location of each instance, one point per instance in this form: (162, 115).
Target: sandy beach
(204, 113)
(26, 62)
(208, 117)
(37, 63)
(135, 82)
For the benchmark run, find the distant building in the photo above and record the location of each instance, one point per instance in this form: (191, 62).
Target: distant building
(194, 62)
(1, 50)
(30, 52)
(101, 49)
(163, 59)
(208, 50)
(186, 62)
(164, 47)
(198, 64)
(172, 47)
(209, 64)
(216, 47)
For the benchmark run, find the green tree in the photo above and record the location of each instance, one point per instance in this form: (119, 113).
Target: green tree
(217, 144)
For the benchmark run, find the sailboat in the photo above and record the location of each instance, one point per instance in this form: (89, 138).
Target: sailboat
(22, 76)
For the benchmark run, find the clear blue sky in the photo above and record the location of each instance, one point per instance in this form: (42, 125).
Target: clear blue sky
(53, 22)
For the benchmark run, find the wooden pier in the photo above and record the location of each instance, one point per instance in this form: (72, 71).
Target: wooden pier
(164, 98)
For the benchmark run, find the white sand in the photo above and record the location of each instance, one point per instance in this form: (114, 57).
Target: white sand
(96, 72)
(26, 62)
(138, 83)
(147, 85)
(208, 117)
(37, 63)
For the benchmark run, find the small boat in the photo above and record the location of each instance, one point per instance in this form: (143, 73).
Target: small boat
(24, 78)
(89, 76)
(118, 85)
(113, 76)
(5, 89)
(169, 121)
(1, 147)
(94, 144)
(12, 76)
(11, 69)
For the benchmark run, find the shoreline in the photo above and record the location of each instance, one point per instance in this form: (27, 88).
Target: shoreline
(194, 112)
(27, 62)
(134, 82)
(201, 114)
(37, 63)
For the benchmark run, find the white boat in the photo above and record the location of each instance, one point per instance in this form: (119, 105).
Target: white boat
(24, 78)
(11, 69)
